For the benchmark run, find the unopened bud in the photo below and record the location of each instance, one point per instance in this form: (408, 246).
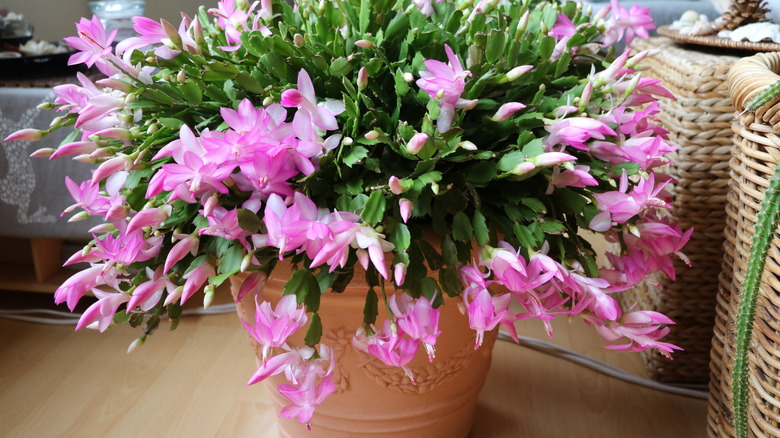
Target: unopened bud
(46, 106)
(408, 77)
(435, 187)
(371, 135)
(135, 344)
(181, 77)
(246, 261)
(362, 79)
(80, 216)
(516, 72)
(208, 298)
(43, 152)
(467, 145)
(396, 187)
(268, 100)
(364, 44)
(416, 143)
(298, 40)
(632, 85)
(523, 168)
(27, 135)
(347, 141)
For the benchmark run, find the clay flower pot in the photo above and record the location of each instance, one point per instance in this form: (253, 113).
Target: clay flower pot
(372, 399)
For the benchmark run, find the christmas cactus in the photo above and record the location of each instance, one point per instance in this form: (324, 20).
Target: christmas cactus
(332, 133)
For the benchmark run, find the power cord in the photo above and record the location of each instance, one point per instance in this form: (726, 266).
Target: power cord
(55, 317)
(605, 368)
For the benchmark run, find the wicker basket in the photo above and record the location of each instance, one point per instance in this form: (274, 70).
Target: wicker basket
(756, 152)
(699, 121)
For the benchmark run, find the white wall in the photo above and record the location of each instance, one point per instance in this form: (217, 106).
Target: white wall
(54, 19)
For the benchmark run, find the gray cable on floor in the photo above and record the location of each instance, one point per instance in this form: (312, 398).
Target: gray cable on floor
(603, 367)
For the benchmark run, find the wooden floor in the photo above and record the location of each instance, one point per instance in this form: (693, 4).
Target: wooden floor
(190, 383)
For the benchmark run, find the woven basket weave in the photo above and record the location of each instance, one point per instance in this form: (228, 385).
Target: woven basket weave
(756, 152)
(699, 121)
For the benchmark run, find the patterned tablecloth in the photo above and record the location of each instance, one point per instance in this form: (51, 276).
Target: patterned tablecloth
(32, 190)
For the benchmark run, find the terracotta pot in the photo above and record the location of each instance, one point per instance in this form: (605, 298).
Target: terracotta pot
(372, 399)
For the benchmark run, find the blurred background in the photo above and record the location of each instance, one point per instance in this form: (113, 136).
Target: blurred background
(54, 20)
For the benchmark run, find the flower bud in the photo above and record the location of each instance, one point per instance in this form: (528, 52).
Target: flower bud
(135, 344)
(46, 106)
(467, 145)
(298, 40)
(43, 152)
(632, 85)
(371, 135)
(181, 77)
(347, 141)
(364, 44)
(395, 185)
(523, 168)
(408, 77)
(522, 25)
(416, 143)
(548, 159)
(516, 72)
(399, 273)
(27, 135)
(362, 79)
(506, 110)
(208, 296)
(587, 93)
(406, 206)
(268, 100)
(80, 216)
(435, 187)
(174, 39)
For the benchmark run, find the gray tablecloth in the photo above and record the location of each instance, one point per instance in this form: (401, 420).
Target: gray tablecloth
(32, 190)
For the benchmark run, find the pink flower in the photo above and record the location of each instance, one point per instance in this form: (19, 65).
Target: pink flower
(103, 310)
(77, 285)
(389, 346)
(575, 131)
(306, 397)
(642, 329)
(93, 45)
(304, 98)
(369, 239)
(195, 279)
(187, 245)
(425, 6)
(147, 294)
(417, 318)
(273, 327)
(620, 206)
(631, 22)
(506, 111)
(310, 373)
(149, 217)
(224, 224)
(445, 83)
(579, 176)
(485, 312)
(562, 31)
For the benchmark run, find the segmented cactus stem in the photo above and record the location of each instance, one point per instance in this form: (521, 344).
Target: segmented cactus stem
(766, 95)
(765, 226)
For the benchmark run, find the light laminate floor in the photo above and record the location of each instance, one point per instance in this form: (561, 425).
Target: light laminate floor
(190, 383)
